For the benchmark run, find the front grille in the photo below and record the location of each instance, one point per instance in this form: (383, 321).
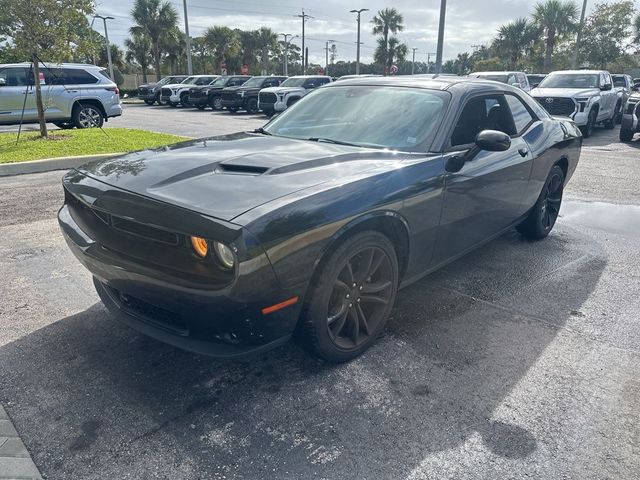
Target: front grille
(229, 95)
(268, 97)
(557, 105)
(143, 90)
(166, 92)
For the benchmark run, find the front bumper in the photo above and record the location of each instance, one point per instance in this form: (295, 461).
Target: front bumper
(219, 320)
(631, 118)
(149, 96)
(580, 118)
(236, 102)
(173, 98)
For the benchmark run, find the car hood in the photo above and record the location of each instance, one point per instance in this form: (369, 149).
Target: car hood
(178, 85)
(283, 89)
(224, 177)
(564, 92)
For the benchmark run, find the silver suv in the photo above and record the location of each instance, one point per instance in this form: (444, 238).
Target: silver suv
(73, 95)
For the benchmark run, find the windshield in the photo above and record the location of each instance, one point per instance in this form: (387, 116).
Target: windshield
(570, 80)
(253, 82)
(619, 82)
(166, 80)
(220, 82)
(293, 82)
(495, 78)
(370, 116)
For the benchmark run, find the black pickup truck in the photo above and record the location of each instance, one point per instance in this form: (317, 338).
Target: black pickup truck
(205, 96)
(245, 97)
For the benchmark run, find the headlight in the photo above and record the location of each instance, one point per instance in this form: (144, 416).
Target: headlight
(225, 255)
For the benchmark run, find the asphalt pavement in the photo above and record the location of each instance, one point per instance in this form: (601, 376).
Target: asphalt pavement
(519, 360)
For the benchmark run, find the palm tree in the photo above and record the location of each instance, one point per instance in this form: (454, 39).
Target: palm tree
(222, 42)
(268, 39)
(139, 51)
(154, 19)
(514, 38)
(248, 46)
(175, 45)
(557, 18)
(636, 30)
(387, 21)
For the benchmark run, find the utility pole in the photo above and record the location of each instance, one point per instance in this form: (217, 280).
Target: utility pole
(326, 51)
(285, 60)
(359, 12)
(186, 32)
(413, 61)
(443, 11)
(106, 36)
(304, 18)
(574, 60)
(429, 61)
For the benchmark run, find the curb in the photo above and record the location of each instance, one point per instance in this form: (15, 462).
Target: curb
(15, 461)
(49, 164)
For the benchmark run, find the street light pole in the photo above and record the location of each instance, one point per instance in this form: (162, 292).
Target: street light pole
(429, 61)
(106, 36)
(326, 51)
(359, 12)
(186, 31)
(574, 60)
(285, 60)
(413, 61)
(443, 11)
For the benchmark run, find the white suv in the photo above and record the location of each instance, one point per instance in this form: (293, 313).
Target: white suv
(278, 99)
(176, 93)
(73, 95)
(585, 96)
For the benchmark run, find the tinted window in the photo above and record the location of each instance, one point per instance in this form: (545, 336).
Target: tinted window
(204, 80)
(495, 78)
(14, 77)
(619, 81)
(360, 115)
(272, 82)
(294, 82)
(482, 113)
(236, 82)
(521, 116)
(76, 76)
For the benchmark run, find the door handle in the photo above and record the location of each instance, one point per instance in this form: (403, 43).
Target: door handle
(523, 152)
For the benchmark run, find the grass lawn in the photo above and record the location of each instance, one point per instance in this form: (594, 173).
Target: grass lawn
(69, 143)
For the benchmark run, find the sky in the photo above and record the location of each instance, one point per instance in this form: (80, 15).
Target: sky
(468, 22)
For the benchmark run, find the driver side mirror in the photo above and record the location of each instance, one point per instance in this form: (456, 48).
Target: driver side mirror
(3, 81)
(488, 140)
(606, 87)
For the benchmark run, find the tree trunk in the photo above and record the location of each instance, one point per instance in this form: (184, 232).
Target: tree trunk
(144, 73)
(265, 54)
(156, 59)
(39, 106)
(551, 40)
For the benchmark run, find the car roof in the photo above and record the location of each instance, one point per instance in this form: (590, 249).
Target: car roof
(51, 65)
(436, 82)
(310, 76)
(496, 72)
(575, 72)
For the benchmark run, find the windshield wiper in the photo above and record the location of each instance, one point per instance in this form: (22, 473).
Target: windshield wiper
(331, 140)
(262, 131)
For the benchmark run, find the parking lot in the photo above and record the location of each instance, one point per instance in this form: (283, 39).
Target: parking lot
(519, 360)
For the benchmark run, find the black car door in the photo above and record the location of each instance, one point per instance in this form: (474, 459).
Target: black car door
(485, 196)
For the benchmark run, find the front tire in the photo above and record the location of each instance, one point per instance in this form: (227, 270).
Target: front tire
(216, 102)
(626, 135)
(252, 105)
(544, 213)
(184, 100)
(350, 300)
(88, 116)
(587, 130)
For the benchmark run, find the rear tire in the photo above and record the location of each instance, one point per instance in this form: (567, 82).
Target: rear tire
(544, 213)
(350, 299)
(88, 116)
(626, 135)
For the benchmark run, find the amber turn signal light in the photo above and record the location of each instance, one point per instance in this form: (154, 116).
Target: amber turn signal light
(200, 246)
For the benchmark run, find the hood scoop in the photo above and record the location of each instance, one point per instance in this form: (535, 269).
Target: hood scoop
(239, 169)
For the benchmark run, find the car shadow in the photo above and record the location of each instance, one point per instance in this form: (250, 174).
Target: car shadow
(93, 399)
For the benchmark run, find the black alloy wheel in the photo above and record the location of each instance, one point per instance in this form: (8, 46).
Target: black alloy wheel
(545, 212)
(587, 130)
(350, 303)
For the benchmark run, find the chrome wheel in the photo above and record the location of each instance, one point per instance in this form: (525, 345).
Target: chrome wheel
(89, 117)
(360, 297)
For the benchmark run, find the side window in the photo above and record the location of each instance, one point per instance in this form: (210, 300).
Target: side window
(490, 112)
(14, 77)
(603, 79)
(77, 76)
(272, 82)
(310, 84)
(511, 79)
(522, 79)
(521, 115)
(323, 81)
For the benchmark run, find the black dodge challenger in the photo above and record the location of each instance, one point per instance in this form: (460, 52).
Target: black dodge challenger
(229, 245)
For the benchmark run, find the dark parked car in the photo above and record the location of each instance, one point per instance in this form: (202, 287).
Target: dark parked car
(226, 246)
(631, 115)
(150, 92)
(210, 95)
(245, 97)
